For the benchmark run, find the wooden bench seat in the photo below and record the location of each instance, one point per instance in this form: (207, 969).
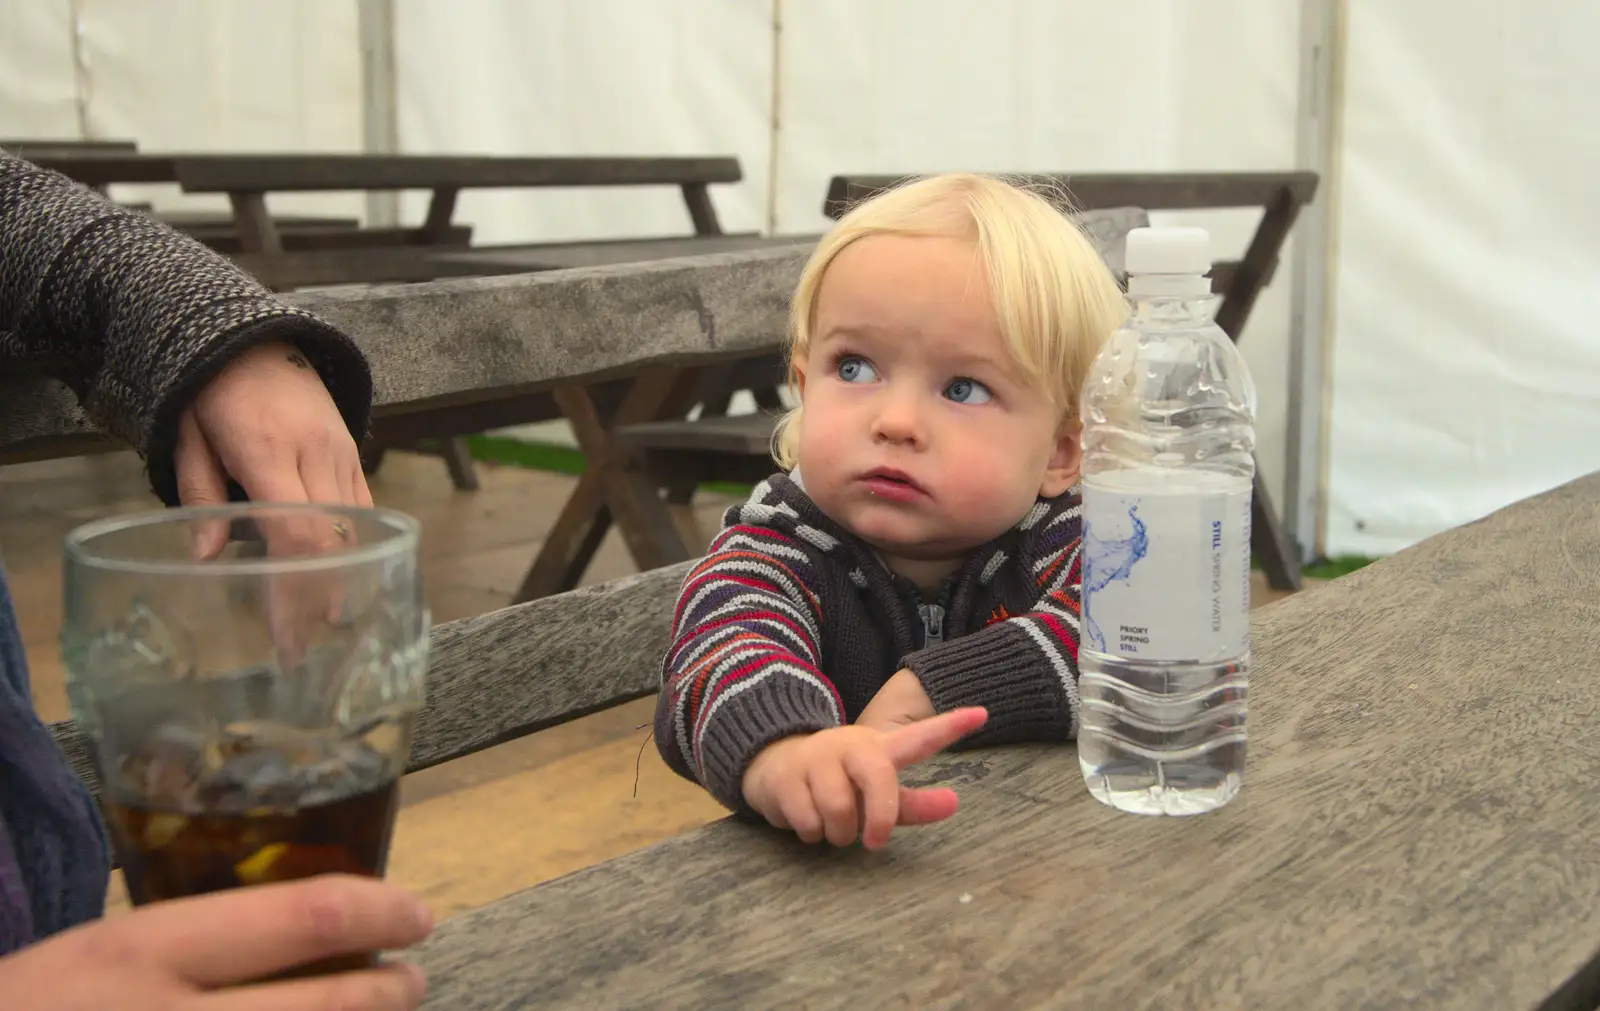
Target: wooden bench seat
(748, 434)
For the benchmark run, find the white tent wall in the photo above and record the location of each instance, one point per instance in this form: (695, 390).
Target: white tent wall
(188, 75)
(1466, 362)
(617, 77)
(38, 90)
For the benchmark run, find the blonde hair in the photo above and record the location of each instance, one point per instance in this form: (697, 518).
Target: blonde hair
(1054, 296)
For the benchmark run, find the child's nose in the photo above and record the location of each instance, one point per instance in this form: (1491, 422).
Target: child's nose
(900, 419)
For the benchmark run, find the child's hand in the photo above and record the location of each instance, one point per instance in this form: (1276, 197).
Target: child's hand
(810, 783)
(900, 701)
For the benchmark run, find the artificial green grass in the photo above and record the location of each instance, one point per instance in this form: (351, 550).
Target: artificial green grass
(559, 460)
(1333, 568)
(567, 460)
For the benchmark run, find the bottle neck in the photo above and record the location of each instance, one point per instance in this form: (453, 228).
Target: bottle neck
(1168, 286)
(1167, 304)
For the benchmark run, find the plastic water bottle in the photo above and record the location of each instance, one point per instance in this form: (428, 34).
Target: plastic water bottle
(1168, 436)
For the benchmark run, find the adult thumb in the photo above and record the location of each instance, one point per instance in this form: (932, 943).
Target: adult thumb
(201, 482)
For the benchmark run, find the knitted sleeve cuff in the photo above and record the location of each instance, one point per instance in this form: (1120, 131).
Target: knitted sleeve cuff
(1030, 694)
(741, 725)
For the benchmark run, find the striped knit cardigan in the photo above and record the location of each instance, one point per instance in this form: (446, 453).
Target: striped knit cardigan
(791, 625)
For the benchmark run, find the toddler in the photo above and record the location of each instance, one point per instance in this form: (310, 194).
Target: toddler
(911, 579)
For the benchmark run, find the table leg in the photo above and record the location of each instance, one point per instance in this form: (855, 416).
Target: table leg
(614, 487)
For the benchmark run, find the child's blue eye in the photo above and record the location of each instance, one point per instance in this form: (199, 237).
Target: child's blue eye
(967, 391)
(856, 370)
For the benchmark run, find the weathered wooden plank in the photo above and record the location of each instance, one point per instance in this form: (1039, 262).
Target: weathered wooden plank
(744, 434)
(102, 168)
(1165, 191)
(274, 173)
(510, 672)
(473, 340)
(309, 237)
(54, 147)
(223, 173)
(377, 264)
(555, 256)
(1417, 830)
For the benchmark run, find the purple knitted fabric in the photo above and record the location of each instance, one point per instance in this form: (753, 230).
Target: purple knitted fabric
(54, 861)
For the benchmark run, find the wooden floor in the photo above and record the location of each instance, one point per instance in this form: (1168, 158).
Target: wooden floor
(533, 809)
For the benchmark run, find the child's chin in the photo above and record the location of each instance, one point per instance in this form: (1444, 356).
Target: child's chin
(898, 540)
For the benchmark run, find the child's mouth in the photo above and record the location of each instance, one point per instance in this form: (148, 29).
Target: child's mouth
(892, 484)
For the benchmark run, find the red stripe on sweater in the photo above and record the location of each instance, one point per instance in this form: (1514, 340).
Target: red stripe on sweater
(697, 677)
(739, 619)
(1062, 633)
(741, 673)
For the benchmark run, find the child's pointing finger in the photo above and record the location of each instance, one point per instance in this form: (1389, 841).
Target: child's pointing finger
(919, 741)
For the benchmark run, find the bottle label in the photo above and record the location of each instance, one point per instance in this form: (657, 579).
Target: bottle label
(1166, 573)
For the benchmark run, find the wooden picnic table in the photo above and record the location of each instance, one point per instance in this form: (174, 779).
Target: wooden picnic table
(1417, 829)
(101, 164)
(604, 346)
(286, 257)
(247, 179)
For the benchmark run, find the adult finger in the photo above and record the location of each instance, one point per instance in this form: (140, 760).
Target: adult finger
(835, 797)
(926, 805)
(248, 933)
(270, 473)
(201, 482)
(389, 988)
(326, 484)
(925, 738)
(324, 480)
(874, 775)
(360, 491)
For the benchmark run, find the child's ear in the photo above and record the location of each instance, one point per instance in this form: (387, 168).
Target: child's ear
(798, 369)
(1061, 472)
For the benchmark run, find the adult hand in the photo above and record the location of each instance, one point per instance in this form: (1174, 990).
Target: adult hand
(900, 701)
(194, 954)
(267, 421)
(835, 783)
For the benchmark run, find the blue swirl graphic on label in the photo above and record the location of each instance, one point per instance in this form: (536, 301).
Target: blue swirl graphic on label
(1107, 562)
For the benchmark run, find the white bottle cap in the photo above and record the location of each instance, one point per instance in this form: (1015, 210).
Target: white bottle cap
(1168, 261)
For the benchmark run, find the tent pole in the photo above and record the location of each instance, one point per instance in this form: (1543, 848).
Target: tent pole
(1318, 138)
(380, 126)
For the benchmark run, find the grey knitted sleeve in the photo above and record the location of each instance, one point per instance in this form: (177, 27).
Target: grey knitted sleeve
(1024, 669)
(135, 317)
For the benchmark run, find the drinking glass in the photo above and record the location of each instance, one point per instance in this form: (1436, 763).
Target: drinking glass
(250, 713)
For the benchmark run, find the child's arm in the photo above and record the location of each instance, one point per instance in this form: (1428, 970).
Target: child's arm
(1023, 670)
(743, 667)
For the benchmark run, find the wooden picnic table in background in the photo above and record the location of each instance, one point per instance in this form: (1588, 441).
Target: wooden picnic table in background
(1416, 830)
(103, 164)
(286, 254)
